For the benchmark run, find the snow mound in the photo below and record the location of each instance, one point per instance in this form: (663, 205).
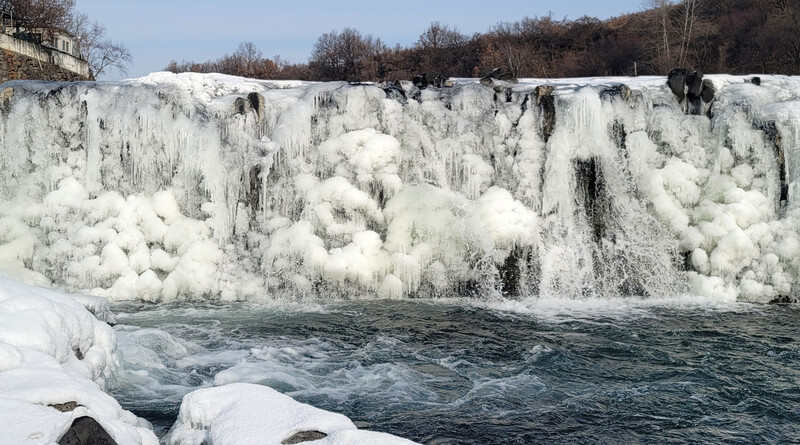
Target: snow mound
(53, 351)
(243, 413)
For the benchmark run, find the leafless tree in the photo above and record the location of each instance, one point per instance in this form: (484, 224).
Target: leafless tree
(249, 56)
(348, 55)
(100, 53)
(39, 13)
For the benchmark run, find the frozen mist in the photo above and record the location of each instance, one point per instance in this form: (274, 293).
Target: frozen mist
(173, 187)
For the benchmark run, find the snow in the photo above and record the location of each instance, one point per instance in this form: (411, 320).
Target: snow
(155, 189)
(54, 351)
(243, 413)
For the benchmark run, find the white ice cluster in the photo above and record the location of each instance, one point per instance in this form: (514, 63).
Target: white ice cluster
(188, 186)
(53, 352)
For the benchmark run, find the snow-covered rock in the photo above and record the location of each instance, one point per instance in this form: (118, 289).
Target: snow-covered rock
(243, 414)
(53, 351)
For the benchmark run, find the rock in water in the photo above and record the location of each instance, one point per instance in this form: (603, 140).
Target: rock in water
(86, 431)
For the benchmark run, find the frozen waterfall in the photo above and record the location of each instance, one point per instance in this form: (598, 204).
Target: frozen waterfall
(207, 186)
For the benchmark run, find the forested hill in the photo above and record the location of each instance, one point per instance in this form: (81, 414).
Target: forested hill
(715, 36)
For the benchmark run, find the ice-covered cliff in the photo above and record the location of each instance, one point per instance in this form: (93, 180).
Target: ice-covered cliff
(207, 186)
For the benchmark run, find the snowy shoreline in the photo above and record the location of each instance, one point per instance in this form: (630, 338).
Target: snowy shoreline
(57, 359)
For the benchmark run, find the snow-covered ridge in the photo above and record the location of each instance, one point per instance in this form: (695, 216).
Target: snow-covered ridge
(189, 186)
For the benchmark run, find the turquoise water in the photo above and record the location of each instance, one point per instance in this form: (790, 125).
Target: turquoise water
(470, 372)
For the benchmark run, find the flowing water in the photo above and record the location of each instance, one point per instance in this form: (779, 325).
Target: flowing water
(454, 372)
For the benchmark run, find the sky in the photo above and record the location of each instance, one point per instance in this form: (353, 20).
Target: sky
(157, 31)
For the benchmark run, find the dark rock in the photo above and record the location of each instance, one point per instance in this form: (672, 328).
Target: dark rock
(687, 262)
(86, 431)
(621, 91)
(65, 407)
(5, 98)
(240, 106)
(591, 186)
(774, 136)
(425, 80)
(498, 74)
(708, 91)
(694, 83)
(783, 299)
(257, 103)
(547, 106)
(695, 105)
(756, 81)
(254, 194)
(78, 353)
(507, 77)
(542, 92)
(395, 92)
(304, 436)
(676, 80)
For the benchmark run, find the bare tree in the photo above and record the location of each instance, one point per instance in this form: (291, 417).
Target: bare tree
(100, 53)
(661, 10)
(691, 10)
(39, 13)
(249, 57)
(348, 55)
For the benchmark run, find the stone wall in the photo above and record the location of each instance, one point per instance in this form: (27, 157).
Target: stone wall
(17, 66)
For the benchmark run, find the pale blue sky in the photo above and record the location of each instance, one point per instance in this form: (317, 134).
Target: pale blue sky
(157, 31)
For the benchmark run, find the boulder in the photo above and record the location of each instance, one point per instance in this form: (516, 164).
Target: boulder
(257, 103)
(708, 91)
(622, 91)
(395, 92)
(676, 80)
(5, 98)
(547, 105)
(694, 83)
(86, 431)
(240, 106)
(756, 81)
(425, 80)
(498, 74)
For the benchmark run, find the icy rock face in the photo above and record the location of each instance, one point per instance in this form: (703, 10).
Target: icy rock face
(55, 361)
(191, 186)
(243, 413)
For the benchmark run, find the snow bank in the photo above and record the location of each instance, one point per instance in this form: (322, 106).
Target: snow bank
(53, 352)
(242, 413)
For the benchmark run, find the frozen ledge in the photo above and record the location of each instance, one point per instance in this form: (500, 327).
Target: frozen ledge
(56, 359)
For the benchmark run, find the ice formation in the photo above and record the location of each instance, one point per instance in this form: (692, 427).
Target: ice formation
(55, 353)
(206, 186)
(243, 413)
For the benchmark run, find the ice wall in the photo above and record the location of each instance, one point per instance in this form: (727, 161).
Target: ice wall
(206, 186)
